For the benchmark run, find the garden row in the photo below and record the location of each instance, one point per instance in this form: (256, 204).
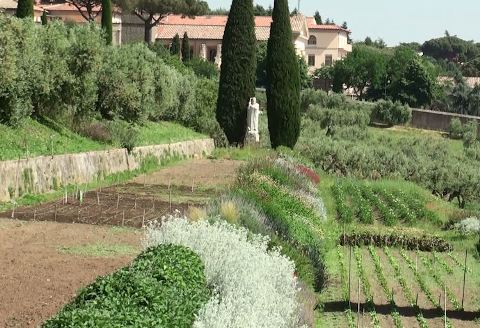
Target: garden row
(416, 274)
(368, 202)
(231, 273)
(69, 74)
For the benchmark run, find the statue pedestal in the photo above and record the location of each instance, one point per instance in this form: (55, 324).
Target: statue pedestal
(252, 138)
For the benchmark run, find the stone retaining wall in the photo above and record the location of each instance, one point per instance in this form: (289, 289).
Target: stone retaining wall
(46, 173)
(439, 121)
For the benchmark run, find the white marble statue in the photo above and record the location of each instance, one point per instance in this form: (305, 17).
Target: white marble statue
(253, 112)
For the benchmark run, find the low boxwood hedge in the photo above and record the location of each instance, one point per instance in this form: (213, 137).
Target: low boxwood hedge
(165, 286)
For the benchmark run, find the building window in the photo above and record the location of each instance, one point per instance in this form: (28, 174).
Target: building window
(328, 60)
(312, 41)
(311, 60)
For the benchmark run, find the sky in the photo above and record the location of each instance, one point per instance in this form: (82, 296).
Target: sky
(392, 20)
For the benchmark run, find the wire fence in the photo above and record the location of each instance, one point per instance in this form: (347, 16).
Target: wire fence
(102, 208)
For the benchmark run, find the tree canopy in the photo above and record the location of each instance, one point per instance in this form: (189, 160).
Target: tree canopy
(283, 80)
(151, 12)
(375, 73)
(237, 75)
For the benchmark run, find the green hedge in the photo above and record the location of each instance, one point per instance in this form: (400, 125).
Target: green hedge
(165, 286)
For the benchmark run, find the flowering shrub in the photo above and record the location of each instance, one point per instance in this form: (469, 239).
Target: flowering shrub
(235, 209)
(468, 226)
(252, 286)
(311, 174)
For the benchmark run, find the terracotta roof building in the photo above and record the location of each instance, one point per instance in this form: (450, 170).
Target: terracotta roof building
(10, 7)
(318, 44)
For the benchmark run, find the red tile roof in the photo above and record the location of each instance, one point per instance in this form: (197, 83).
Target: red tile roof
(66, 7)
(312, 24)
(213, 27)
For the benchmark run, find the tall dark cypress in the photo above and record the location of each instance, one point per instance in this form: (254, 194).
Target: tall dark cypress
(185, 48)
(44, 18)
(237, 76)
(24, 8)
(283, 80)
(175, 47)
(107, 20)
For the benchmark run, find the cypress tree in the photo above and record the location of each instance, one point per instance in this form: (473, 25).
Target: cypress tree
(283, 80)
(185, 48)
(107, 20)
(237, 76)
(44, 18)
(24, 8)
(175, 48)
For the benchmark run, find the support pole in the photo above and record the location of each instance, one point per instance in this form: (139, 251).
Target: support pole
(464, 278)
(13, 210)
(358, 304)
(118, 200)
(98, 199)
(349, 276)
(55, 216)
(445, 303)
(123, 218)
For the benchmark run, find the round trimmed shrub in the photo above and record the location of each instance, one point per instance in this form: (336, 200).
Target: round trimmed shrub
(391, 113)
(165, 286)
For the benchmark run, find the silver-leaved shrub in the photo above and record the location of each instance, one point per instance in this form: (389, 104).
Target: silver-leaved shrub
(468, 226)
(252, 286)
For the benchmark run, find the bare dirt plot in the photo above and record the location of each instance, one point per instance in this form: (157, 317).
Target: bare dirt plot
(144, 199)
(201, 173)
(37, 277)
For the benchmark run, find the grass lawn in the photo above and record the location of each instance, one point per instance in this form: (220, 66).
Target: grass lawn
(33, 138)
(155, 133)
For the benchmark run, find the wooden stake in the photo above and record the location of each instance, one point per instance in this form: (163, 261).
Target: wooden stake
(349, 276)
(445, 303)
(13, 210)
(358, 303)
(118, 200)
(153, 203)
(123, 218)
(98, 199)
(193, 184)
(135, 205)
(55, 216)
(416, 302)
(464, 277)
(416, 261)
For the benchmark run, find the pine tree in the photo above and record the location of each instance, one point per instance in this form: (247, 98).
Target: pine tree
(107, 20)
(24, 8)
(237, 76)
(283, 76)
(185, 48)
(44, 18)
(175, 47)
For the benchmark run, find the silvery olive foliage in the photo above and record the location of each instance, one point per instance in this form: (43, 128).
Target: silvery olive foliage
(252, 286)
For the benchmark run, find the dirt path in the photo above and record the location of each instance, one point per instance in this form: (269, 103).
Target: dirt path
(201, 173)
(37, 278)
